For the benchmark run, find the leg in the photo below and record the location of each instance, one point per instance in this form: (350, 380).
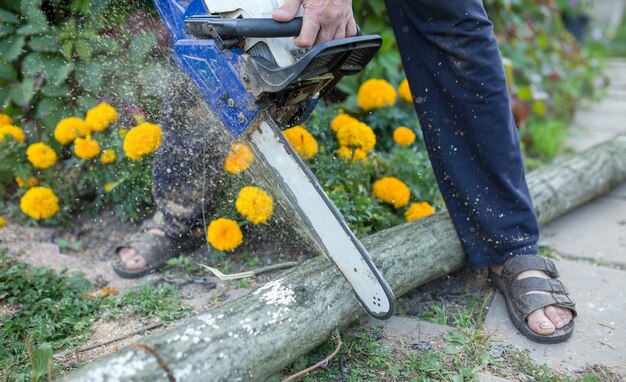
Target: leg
(192, 146)
(455, 73)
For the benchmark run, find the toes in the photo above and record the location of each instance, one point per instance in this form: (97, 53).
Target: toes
(554, 316)
(539, 323)
(132, 260)
(566, 315)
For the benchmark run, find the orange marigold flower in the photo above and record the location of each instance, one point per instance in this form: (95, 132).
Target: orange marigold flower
(30, 182)
(224, 234)
(254, 204)
(403, 136)
(404, 91)
(375, 94)
(418, 211)
(341, 120)
(86, 148)
(301, 141)
(100, 117)
(40, 155)
(142, 140)
(39, 203)
(108, 156)
(239, 158)
(12, 131)
(69, 128)
(5, 120)
(357, 134)
(355, 155)
(392, 190)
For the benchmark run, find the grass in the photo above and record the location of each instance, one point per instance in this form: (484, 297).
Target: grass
(45, 311)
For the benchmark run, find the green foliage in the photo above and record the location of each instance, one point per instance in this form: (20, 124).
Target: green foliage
(544, 138)
(47, 308)
(55, 56)
(158, 301)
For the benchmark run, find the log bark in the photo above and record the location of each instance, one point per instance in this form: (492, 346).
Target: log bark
(255, 336)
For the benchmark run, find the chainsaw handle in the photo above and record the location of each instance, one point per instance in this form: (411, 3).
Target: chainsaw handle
(253, 27)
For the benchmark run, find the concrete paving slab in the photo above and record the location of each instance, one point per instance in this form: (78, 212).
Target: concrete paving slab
(602, 121)
(484, 377)
(600, 338)
(581, 139)
(400, 330)
(618, 192)
(597, 230)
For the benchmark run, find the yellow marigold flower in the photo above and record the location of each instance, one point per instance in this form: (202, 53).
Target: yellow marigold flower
(405, 92)
(142, 140)
(86, 148)
(39, 203)
(108, 156)
(224, 234)
(3, 222)
(254, 204)
(13, 131)
(40, 155)
(301, 141)
(418, 211)
(109, 186)
(403, 136)
(355, 155)
(100, 117)
(69, 128)
(392, 190)
(341, 120)
(239, 158)
(30, 182)
(357, 134)
(376, 94)
(5, 119)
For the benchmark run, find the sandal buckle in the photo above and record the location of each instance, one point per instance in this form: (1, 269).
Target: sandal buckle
(563, 299)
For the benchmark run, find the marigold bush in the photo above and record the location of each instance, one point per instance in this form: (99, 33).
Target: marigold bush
(12, 131)
(39, 203)
(418, 211)
(254, 204)
(341, 120)
(404, 91)
(301, 141)
(392, 190)
(224, 234)
(100, 117)
(239, 158)
(41, 156)
(350, 154)
(142, 140)
(357, 134)
(403, 136)
(86, 148)
(376, 94)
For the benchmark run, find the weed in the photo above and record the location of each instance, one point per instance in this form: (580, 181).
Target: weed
(159, 301)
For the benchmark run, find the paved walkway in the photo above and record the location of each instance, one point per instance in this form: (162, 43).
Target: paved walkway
(591, 244)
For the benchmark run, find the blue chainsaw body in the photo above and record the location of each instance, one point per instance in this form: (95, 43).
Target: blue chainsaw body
(213, 71)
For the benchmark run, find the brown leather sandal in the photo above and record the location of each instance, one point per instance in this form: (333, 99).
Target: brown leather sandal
(520, 305)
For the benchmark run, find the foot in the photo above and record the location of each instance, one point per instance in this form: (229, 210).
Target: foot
(131, 259)
(546, 320)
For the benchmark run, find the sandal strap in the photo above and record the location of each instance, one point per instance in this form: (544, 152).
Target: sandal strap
(516, 265)
(529, 284)
(524, 305)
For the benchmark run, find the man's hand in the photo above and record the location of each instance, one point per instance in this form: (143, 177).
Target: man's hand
(323, 20)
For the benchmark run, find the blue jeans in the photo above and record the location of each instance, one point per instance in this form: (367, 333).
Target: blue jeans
(455, 73)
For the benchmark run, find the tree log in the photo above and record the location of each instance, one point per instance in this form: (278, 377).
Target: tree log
(256, 335)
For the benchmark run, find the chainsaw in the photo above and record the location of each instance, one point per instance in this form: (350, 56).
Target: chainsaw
(258, 82)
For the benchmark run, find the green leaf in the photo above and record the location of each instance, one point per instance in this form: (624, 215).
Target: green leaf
(50, 90)
(47, 106)
(6, 29)
(524, 93)
(7, 71)
(31, 29)
(22, 93)
(83, 49)
(81, 6)
(61, 74)
(8, 17)
(42, 361)
(11, 47)
(32, 10)
(90, 76)
(44, 43)
(68, 49)
(140, 46)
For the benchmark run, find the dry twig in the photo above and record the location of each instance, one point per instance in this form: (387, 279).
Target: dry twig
(159, 358)
(321, 363)
(252, 273)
